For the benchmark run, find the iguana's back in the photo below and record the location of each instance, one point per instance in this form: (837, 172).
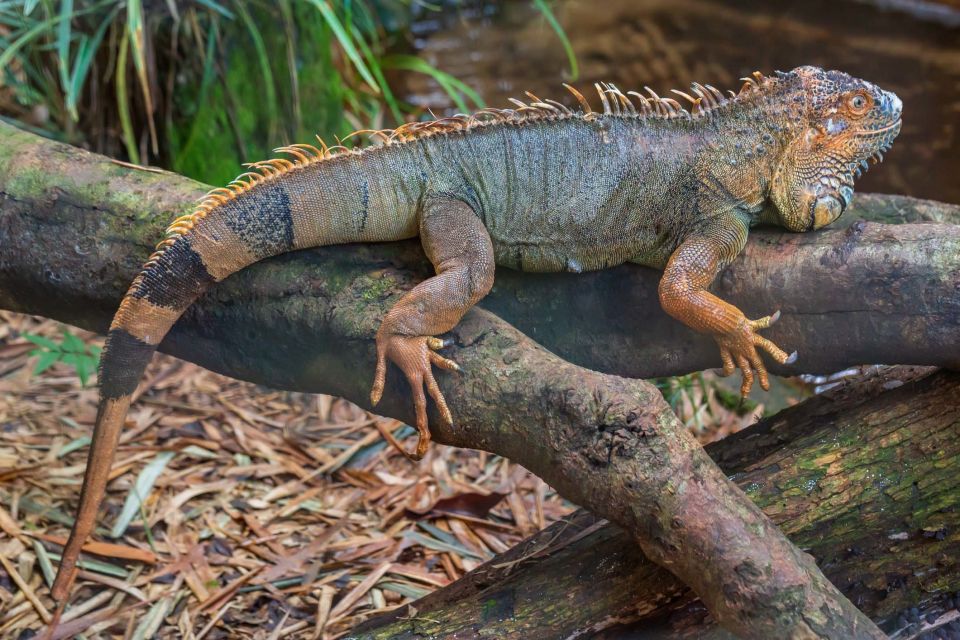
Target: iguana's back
(563, 193)
(570, 193)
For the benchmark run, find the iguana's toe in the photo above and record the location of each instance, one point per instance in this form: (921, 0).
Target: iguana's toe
(414, 355)
(742, 346)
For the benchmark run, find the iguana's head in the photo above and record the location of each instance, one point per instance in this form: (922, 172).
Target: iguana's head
(835, 125)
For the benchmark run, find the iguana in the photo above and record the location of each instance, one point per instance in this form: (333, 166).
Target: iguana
(540, 187)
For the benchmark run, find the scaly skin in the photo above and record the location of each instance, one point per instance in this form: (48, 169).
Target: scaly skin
(539, 188)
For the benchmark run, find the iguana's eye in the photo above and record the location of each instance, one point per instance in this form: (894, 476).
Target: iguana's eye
(859, 103)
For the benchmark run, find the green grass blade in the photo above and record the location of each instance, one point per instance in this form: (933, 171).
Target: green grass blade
(437, 545)
(452, 86)
(24, 39)
(404, 589)
(377, 71)
(562, 35)
(123, 101)
(139, 492)
(63, 43)
(39, 29)
(150, 623)
(135, 31)
(346, 42)
(81, 66)
(205, 82)
(72, 87)
(264, 62)
(216, 6)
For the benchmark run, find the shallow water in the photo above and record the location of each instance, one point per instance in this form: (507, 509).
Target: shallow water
(912, 48)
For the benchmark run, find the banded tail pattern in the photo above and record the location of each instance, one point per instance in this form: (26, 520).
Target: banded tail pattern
(231, 229)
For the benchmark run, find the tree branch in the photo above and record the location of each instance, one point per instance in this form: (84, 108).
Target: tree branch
(78, 226)
(824, 471)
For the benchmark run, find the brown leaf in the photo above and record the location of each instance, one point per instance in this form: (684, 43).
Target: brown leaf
(467, 503)
(106, 549)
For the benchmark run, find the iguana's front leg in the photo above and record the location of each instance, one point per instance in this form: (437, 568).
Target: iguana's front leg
(683, 294)
(459, 246)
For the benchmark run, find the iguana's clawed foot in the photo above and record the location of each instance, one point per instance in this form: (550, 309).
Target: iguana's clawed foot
(414, 355)
(738, 349)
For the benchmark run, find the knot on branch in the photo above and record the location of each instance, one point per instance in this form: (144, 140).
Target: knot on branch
(621, 428)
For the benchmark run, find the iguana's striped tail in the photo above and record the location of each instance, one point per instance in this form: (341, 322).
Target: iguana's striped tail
(253, 219)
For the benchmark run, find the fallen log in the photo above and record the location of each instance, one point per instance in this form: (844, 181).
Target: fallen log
(75, 228)
(864, 477)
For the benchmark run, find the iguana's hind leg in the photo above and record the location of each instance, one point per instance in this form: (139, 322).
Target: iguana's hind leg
(458, 245)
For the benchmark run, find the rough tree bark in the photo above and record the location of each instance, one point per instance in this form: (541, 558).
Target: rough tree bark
(863, 477)
(75, 227)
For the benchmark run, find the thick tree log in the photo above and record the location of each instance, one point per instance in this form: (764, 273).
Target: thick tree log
(608, 443)
(864, 477)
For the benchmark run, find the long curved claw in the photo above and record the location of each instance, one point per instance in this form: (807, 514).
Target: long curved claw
(740, 347)
(414, 355)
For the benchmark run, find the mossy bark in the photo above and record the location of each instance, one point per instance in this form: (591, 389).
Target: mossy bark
(75, 227)
(863, 477)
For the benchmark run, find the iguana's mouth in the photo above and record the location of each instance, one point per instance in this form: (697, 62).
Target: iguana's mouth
(889, 127)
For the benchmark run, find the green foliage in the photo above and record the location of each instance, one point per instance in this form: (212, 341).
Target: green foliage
(71, 350)
(201, 86)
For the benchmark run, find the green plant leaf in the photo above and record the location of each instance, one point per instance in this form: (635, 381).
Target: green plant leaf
(46, 360)
(139, 492)
(81, 66)
(72, 343)
(205, 83)
(40, 341)
(150, 623)
(40, 29)
(74, 445)
(95, 565)
(345, 41)
(264, 63)
(377, 71)
(453, 87)
(216, 6)
(63, 42)
(123, 101)
(562, 35)
(84, 368)
(135, 31)
(438, 545)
